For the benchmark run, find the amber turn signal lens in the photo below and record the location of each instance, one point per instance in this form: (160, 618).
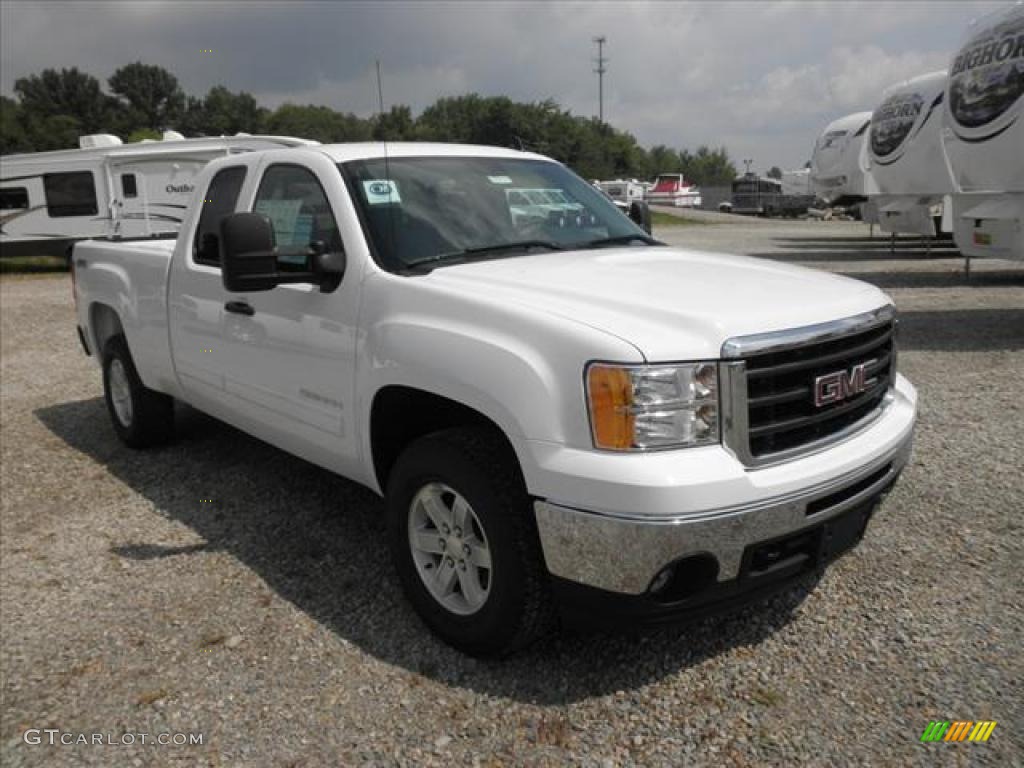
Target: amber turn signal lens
(611, 398)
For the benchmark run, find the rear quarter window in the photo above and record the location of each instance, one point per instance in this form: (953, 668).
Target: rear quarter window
(219, 200)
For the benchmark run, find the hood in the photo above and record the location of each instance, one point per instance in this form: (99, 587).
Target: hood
(671, 304)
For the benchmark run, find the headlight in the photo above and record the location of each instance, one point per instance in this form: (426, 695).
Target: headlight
(644, 407)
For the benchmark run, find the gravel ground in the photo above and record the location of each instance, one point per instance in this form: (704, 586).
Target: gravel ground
(219, 586)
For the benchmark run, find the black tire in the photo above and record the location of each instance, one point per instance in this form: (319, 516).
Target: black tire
(480, 466)
(152, 413)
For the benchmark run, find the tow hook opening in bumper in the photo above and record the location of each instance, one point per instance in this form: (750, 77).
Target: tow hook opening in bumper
(686, 589)
(684, 578)
(694, 578)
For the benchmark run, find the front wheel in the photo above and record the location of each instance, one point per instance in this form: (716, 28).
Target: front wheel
(464, 542)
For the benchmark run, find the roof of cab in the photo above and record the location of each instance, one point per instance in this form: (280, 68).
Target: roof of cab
(342, 153)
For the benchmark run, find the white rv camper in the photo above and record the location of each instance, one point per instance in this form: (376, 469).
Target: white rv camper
(983, 136)
(48, 200)
(837, 176)
(903, 154)
(623, 192)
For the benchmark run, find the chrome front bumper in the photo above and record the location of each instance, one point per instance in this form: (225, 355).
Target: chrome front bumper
(622, 554)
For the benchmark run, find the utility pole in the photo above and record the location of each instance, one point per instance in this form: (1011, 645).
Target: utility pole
(601, 61)
(748, 163)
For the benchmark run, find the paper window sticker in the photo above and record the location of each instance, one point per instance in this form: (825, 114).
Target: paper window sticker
(381, 192)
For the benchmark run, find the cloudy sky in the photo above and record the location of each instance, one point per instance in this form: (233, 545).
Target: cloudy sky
(761, 78)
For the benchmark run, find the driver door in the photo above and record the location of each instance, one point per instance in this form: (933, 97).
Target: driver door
(291, 350)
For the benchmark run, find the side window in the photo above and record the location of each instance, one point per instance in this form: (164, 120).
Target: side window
(220, 199)
(70, 194)
(13, 199)
(292, 198)
(128, 185)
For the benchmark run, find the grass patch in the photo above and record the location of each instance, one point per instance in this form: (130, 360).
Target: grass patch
(23, 264)
(660, 219)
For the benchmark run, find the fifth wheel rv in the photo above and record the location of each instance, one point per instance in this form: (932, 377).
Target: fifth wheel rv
(837, 176)
(904, 155)
(48, 200)
(983, 137)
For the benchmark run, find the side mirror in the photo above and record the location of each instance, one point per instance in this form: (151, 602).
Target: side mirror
(251, 262)
(640, 214)
(248, 261)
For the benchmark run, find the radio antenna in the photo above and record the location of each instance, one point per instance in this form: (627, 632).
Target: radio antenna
(380, 92)
(387, 163)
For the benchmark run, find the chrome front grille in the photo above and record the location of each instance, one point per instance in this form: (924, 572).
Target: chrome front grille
(771, 380)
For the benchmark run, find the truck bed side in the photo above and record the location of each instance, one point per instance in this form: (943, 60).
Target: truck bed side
(121, 287)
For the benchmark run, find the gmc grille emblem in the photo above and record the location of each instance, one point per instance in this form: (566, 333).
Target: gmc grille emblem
(839, 385)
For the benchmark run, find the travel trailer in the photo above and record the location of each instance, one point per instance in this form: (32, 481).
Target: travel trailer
(673, 189)
(623, 192)
(903, 154)
(983, 136)
(837, 176)
(48, 200)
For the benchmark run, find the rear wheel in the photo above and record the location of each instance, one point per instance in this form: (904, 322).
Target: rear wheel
(464, 542)
(142, 417)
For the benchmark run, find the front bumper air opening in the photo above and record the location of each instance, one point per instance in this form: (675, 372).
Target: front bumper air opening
(684, 578)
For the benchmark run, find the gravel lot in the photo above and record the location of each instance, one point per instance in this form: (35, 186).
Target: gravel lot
(221, 587)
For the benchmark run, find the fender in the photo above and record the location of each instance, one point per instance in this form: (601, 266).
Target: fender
(512, 386)
(522, 370)
(142, 314)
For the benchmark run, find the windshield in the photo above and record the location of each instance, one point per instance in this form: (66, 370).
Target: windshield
(430, 209)
(667, 183)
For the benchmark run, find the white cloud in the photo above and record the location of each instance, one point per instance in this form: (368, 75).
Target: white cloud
(857, 76)
(762, 78)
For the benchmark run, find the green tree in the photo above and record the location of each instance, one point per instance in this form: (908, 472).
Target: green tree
(774, 172)
(223, 113)
(320, 123)
(52, 132)
(55, 107)
(13, 137)
(664, 160)
(707, 167)
(141, 134)
(68, 93)
(396, 124)
(150, 93)
(592, 149)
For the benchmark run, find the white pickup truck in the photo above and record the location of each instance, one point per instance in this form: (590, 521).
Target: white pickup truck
(566, 417)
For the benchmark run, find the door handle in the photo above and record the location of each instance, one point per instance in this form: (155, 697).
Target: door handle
(240, 308)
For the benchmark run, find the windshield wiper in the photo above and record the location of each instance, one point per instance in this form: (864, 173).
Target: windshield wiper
(467, 253)
(620, 240)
